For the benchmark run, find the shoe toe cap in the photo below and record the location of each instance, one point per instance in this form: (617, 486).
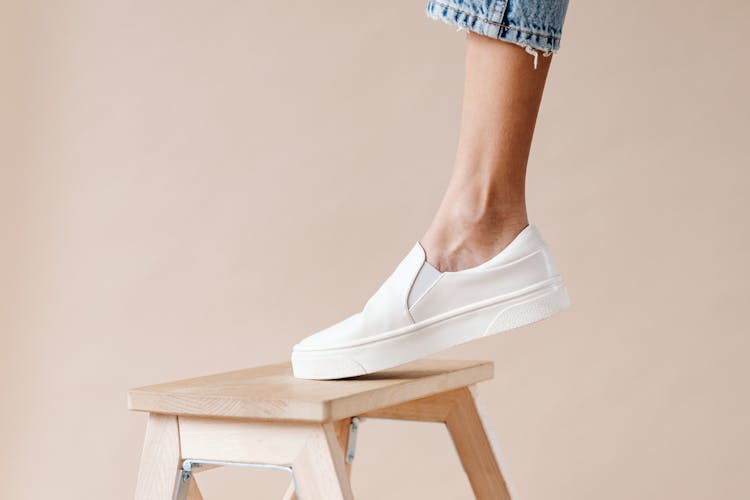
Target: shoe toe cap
(338, 334)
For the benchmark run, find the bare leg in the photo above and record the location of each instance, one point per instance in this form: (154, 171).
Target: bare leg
(484, 206)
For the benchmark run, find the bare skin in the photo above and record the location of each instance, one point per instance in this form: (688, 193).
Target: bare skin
(484, 206)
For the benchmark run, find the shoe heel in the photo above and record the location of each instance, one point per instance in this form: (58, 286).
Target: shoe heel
(530, 309)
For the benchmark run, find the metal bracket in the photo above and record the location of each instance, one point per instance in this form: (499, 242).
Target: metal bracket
(351, 445)
(183, 484)
(185, 474)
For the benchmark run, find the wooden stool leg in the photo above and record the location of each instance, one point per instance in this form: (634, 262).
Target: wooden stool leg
(320, 469)
(342, 435)
(193, 492)
(474, 449)
(160, 460)
(290, 493)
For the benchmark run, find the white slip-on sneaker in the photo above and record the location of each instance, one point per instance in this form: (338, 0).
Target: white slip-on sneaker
(419, 310)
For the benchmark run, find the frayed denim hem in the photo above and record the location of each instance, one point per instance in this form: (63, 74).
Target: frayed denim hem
(532, 41)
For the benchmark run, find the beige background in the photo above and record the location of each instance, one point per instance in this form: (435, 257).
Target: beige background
(190, 187)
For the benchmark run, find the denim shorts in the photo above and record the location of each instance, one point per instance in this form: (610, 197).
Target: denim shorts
(533, 24)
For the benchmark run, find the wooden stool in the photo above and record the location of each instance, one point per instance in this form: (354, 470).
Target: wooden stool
(264, 417)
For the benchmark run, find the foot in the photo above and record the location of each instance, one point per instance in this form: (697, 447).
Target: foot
(420, 310)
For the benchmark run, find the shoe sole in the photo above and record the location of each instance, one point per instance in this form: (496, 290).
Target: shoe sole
(481, 319)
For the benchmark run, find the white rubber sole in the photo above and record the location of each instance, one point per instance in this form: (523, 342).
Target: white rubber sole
(428, 337)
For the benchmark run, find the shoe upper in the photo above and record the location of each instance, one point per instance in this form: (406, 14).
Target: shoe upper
(524, 263)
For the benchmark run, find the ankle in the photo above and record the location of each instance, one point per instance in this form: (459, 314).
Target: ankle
(461, 241)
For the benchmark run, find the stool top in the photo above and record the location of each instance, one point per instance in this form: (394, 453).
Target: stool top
(272, 393)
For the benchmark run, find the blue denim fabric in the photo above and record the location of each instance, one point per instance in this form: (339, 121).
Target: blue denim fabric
(536, 24)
